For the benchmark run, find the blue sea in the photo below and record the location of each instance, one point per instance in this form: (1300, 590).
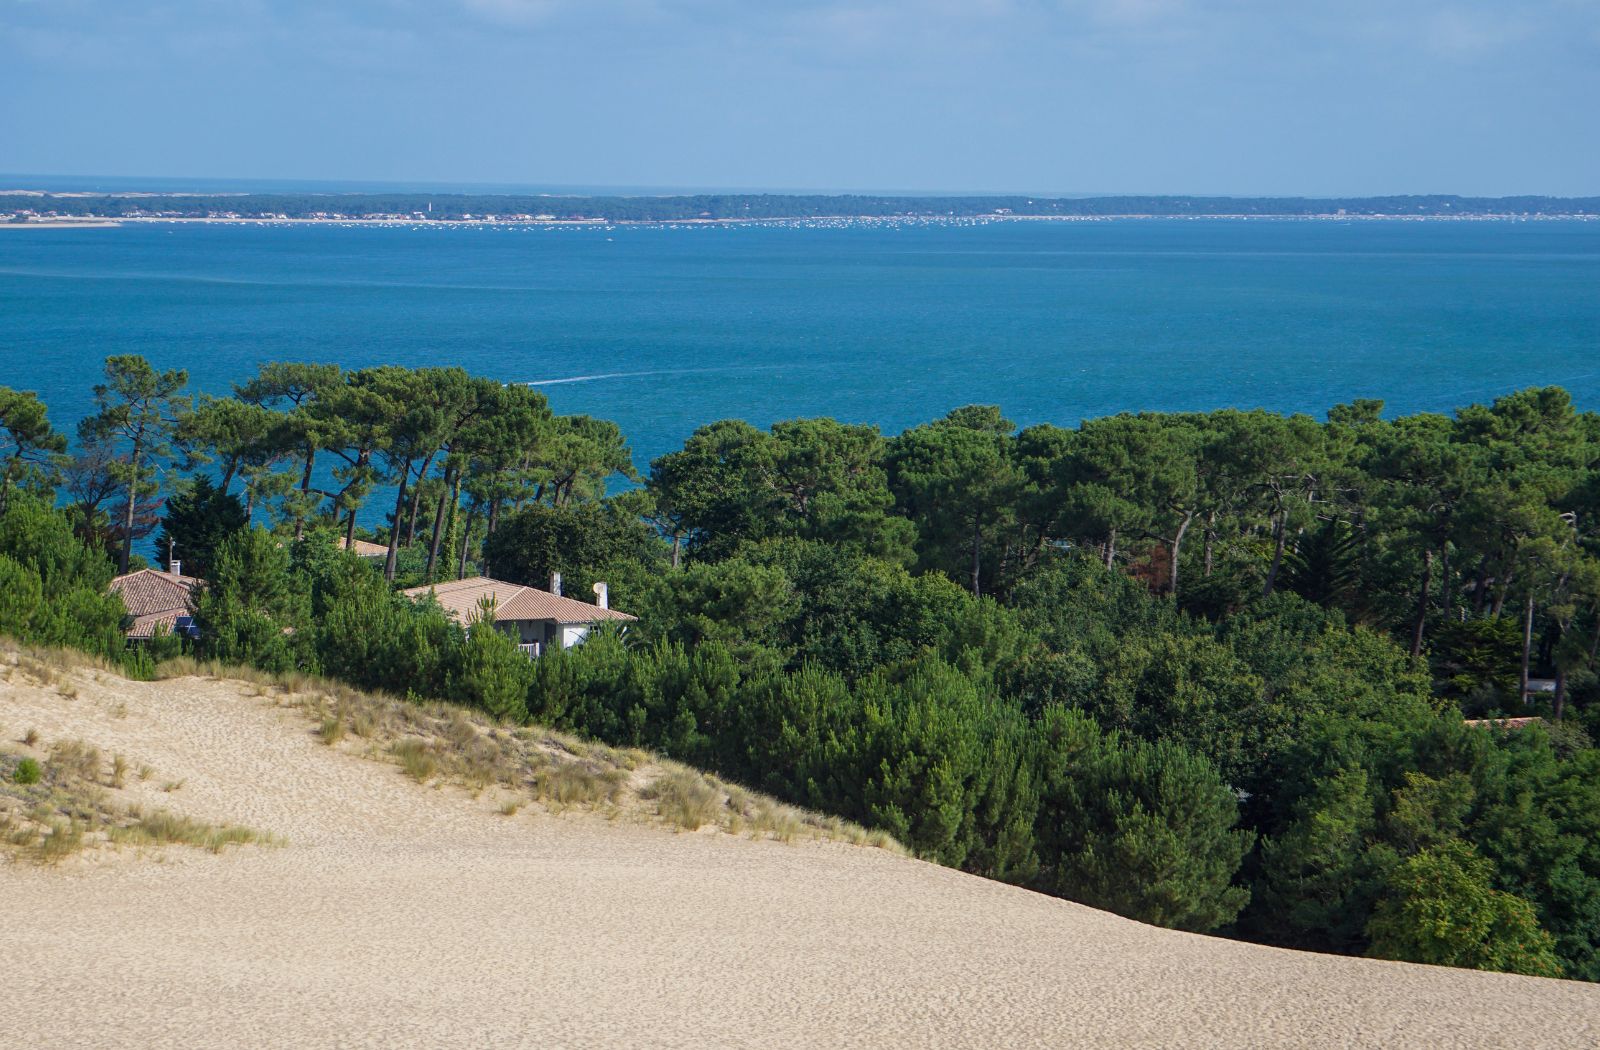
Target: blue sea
(665, 328)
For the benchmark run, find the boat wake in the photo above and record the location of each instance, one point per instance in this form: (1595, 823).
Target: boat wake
(650, 372)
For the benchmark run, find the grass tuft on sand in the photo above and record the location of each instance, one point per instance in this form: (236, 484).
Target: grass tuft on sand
(53, 809)
(162, 827)
(438, 744)
(685, 799)
(443, 744)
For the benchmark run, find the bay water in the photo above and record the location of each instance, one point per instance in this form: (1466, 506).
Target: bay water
(665, 328)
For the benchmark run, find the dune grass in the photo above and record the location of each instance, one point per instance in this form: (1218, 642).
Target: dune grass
(416, 758)
(445, 744)
(61, 815)
(578, 783)
(65, 803)
(685, 799)
(440, 744)
(162, 827)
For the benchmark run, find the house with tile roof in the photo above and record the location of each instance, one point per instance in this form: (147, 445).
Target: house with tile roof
(155, 599)
(1503, 723)
(537, 620)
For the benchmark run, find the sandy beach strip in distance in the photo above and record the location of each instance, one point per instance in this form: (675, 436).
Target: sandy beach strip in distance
(131, 220)
(62, 224)
(402, 915)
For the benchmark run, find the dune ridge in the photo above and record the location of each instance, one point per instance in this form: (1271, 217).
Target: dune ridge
(424, 914)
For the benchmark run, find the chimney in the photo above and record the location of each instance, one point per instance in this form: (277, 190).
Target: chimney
(175, 567)
(555, 584)
(602, 596)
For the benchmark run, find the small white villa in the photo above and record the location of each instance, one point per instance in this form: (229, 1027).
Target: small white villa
(537, 620)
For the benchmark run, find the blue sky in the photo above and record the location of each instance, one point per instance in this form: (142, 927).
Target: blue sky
(1067, 96)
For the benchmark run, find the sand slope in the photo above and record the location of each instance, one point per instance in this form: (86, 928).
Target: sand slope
(400, 915)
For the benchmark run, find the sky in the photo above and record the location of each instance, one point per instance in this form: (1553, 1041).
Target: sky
(1233, 97)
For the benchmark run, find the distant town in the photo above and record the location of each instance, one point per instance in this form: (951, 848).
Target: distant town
(22, 206)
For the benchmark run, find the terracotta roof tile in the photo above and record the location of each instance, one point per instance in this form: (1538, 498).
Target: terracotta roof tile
(153, 591)
(513, 601)
(144, 627)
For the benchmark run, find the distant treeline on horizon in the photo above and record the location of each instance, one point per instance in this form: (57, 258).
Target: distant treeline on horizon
(445, 206)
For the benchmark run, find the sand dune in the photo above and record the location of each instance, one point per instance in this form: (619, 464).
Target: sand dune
(402, 915)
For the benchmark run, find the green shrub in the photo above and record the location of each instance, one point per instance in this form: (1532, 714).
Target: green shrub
(493, 673)
(163, 645)
(371, 637)
(1441, 909)
(28, 771)
(138, 665)
(252, 610)
(1143, 830)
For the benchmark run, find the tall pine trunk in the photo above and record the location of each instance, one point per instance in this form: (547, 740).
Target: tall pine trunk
(1480, 586)
(305, 486)
(977, 558)
(416, 500)
(1280, 529)
(133, 499)
(1177, 548)
(452, 480)
(1422, 604)
(1527, 645)
(466, 542)
(1446, 588)
(227, 475)
(1503, 591)
(394, 532)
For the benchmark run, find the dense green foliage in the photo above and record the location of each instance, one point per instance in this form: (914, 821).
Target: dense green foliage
(1442, 909)
(199, 519)
(52, 587)
(1208, 670)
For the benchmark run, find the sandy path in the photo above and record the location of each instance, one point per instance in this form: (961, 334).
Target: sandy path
(407, 916)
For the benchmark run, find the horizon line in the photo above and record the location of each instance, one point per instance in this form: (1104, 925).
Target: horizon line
(15, 182)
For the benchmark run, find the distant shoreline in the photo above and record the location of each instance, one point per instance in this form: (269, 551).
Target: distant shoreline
(96, 223)
(59, 224)
(723, 209)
